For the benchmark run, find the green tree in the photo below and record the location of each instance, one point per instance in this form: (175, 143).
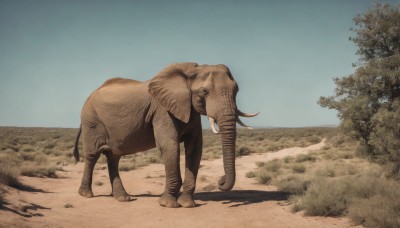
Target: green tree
(368, 101)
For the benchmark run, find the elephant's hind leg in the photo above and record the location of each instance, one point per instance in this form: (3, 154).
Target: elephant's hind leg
(93, 138)
(118, 189)
(86, 184)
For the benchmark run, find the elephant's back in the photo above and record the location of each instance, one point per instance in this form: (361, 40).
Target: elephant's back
(116, 81)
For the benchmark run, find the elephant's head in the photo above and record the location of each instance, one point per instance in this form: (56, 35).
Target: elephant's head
(211, 91)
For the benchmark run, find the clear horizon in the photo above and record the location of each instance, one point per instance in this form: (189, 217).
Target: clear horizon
(283, 55)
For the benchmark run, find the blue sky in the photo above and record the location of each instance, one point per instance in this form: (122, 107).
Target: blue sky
(283, 54)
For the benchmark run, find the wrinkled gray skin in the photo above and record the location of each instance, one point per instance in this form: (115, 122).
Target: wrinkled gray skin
(124, 116)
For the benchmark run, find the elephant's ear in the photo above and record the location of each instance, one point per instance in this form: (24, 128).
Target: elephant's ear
(170, 88)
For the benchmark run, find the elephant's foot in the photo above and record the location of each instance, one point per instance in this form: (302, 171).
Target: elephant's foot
(186, 200)
(122, 196)
(85, 192)
(168, 200)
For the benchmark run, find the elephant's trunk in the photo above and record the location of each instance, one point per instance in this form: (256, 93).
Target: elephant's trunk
(227, 124)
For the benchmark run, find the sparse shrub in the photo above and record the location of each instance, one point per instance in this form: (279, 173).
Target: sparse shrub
(298, 168)
(98, 183)
(68, 205)
(28, 149)
(153, 159)
(263, 177)
(38, 171)
(381, 210)
(327, 171)
(346, 155)
(287, 159)
(260, 164)
(293, 184)
(50, 146)
(9, 171)
(13, 148)
(126, 167)
(273, 165)
(326, 198)
(305, 157)
(250, 174)
(243, 151)
(314, 139)
(326, 147)
(27, 156)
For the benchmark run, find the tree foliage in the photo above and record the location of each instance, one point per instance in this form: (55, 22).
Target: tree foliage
(368, 101)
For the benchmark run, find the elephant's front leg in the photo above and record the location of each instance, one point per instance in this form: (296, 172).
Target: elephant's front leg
(169, 147)
(193, 151)
(173, 180)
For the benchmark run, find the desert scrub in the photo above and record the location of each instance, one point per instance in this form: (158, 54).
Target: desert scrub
(380, 210)
(68, 205)
(272, 166)
(250, 174)
(293, 184)
(263, 176)
(38, 171)
(326, 198)
(299, 168)
(243, 151)
(305, 157)
(125, 167)
(9, 170)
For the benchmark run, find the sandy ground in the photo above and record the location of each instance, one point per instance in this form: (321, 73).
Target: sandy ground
(248, 205)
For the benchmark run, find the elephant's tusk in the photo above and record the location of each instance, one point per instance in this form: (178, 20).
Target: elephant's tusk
(246, 114)
(212, 124)
(242, 124)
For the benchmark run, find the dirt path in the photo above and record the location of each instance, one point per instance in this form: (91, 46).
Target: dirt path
(248, 205)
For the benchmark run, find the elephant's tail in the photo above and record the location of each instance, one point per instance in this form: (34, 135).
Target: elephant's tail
(76, 149)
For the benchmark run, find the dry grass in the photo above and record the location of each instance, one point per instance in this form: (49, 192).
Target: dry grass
(334, 181)
(8, 170)
(68, 205)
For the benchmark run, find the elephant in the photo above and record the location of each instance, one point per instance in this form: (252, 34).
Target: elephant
(125, 116)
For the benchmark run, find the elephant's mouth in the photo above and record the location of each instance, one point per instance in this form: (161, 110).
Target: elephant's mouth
(214, 124)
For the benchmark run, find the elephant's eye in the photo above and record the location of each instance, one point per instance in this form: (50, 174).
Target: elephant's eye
(203, 92)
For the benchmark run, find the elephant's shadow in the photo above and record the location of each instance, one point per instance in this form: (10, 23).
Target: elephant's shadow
(241, 197)
(236, 198)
